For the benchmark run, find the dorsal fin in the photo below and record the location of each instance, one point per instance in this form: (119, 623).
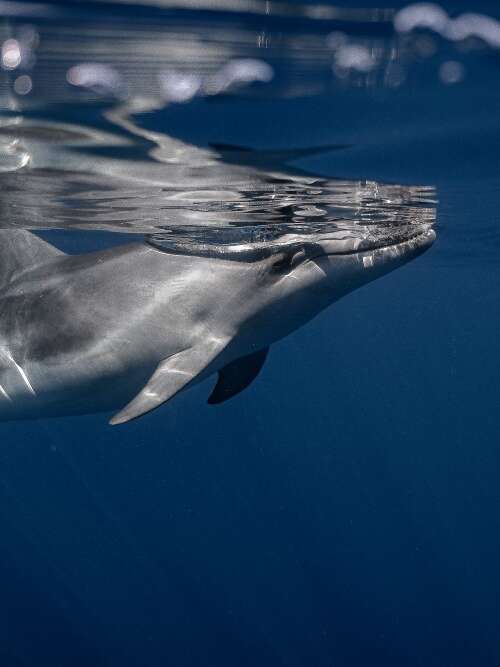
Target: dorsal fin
(20, 249)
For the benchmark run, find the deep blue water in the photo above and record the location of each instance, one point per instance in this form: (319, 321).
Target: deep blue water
(345, 509)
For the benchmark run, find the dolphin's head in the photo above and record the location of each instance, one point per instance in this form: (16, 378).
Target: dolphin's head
(340, 261)
(287, 278)
(308, 274)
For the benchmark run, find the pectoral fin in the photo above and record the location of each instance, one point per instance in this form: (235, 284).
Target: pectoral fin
(237, 376)
(171, 375)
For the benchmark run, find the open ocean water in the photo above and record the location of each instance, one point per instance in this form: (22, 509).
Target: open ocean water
(343, 510)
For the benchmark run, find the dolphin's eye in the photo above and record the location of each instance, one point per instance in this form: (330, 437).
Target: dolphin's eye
(283, 263)
(287, 259)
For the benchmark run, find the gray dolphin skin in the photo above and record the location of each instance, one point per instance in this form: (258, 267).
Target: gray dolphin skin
(127, 328)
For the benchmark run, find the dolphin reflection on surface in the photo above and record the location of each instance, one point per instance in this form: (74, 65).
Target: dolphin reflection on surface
(129, 327)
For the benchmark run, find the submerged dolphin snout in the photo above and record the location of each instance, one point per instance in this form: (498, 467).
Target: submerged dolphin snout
(373, 238)
(351, 264)
(400, 250)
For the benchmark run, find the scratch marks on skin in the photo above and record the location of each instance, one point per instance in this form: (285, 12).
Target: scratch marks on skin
(4, 393)
(24, 376)
(179, 371)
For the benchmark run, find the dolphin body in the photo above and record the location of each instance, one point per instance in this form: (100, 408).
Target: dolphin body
(129, 327)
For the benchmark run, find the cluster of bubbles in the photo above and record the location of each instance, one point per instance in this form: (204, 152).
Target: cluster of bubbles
(174, 85)
(179, 87)
(350, 57)
(99, 77)
(467, 26)
(18, 56)
(433, 17)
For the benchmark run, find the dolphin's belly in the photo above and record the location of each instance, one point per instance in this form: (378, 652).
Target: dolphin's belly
(36, 390)
(58, 357)
(81, 379)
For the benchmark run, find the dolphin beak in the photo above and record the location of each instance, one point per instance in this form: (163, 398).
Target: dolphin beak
(422, 236)
(362, 265)
(401, 250)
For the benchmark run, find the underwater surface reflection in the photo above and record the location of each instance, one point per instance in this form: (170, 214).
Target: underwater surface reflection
(183, 183)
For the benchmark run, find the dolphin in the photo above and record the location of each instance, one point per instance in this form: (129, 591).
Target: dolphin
(127, 328)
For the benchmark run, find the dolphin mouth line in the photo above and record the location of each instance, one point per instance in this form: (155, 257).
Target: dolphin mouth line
(252, 253)
(428, 235)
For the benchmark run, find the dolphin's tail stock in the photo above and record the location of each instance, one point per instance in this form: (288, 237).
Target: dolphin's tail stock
(19, 250)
